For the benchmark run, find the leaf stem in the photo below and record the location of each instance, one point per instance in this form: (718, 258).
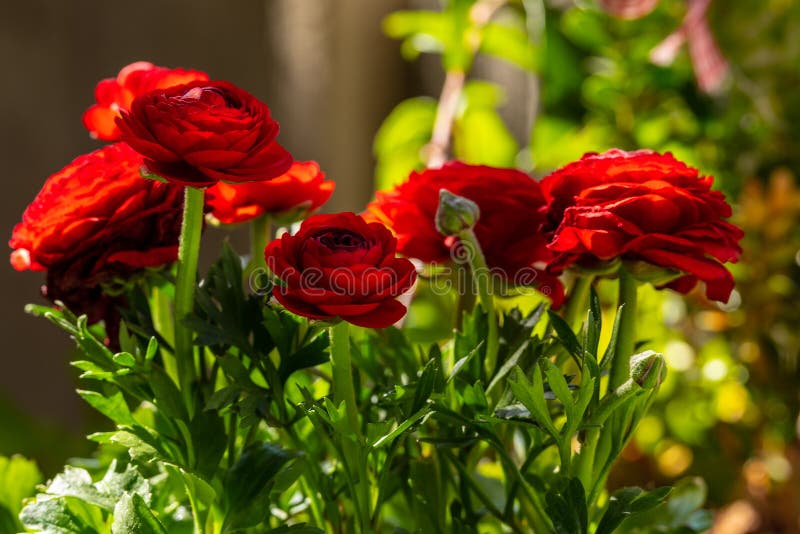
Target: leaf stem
(188, 253)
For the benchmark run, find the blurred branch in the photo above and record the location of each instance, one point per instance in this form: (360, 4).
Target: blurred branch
(480, 14)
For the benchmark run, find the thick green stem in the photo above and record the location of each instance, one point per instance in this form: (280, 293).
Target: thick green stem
(260, 233)
(343, 391)
(188, 253)
(483, 277)
(626, 338)
(578, 302)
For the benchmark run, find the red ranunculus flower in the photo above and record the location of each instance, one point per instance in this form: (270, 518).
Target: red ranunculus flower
(116, 94)
(643, 206)
(96, 221)
(203, 132)
(295, 194)
(508, 229)
(341, 266)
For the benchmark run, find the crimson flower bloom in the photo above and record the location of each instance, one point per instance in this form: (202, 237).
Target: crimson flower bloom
(203, 132)
(643, 206)
(289, 197)
(114, 95)
(512, 213)
(94, 222)
(341, 266)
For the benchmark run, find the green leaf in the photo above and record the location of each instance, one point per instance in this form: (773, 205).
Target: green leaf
(209, 438)
(425, 31)
(511, 44)
(425, 385)
(245, 494)
(594, 324)
(114, 406)
(299, 528)
(531, 395)
(61, 515)
(312, 354)
(611, 349)
(558, 385)
(132, 516)
(507, 366)
(399, 141)
(400, 429)
(567, 508)
(627, 502)
(565, 335)
(167, 396)
(18, 480)
(480, 137)
(76, 482)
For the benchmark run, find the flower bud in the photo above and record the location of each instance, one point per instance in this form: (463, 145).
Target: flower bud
(648, 369)
(455, 214)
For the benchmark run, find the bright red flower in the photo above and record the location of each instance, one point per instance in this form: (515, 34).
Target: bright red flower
(511, 207)
(643, 206)
(116, 94)
(96, 221)
(200, 133)
(341, 266)
(297, 193)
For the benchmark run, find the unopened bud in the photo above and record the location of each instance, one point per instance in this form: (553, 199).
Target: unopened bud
(648, 369)
(455, 214)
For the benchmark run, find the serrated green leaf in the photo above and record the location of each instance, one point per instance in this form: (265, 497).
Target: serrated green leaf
(567, 508)
(558, 385)
(114, 406)
(61, 515)
(565, 335)
(132, 516)
(531, 395)
(244, 486)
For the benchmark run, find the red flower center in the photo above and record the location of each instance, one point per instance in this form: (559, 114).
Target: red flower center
(341, 241)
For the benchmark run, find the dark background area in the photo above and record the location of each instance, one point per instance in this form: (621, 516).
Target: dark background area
(323, 66)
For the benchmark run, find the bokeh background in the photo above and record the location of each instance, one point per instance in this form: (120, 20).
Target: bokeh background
(726, 101)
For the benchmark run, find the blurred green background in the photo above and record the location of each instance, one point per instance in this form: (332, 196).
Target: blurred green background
(557, 79)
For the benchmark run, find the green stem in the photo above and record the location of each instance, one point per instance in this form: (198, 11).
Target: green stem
(188, 253)
(343, 391)
(465, 293)
(626, 338)
(260, 234)
(483, 277)
(578, 302)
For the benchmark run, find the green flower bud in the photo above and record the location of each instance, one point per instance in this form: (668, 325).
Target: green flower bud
(455, 214)
(648, 369)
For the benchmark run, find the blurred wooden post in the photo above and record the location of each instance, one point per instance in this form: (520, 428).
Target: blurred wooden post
(338, 78)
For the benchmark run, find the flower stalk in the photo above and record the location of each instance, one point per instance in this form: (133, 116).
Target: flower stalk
(343, 391)
(626, 338)
(260, 234)
(188, 254)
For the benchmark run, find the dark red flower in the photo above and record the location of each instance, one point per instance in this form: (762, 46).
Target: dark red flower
(204, 132)
(295, 194)
(116, 94)
(508, 229)
(341, 266)
(95, 222)
(643, 206)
